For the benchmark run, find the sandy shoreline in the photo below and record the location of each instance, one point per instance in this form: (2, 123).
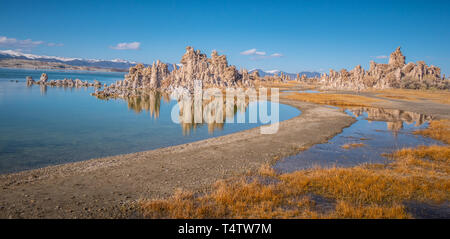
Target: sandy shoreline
(96, 188)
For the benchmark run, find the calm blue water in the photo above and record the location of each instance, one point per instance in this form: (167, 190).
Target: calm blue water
(41, 127)
(380, 130)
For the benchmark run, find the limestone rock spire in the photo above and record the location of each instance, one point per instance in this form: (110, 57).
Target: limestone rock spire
(154, 77)
(397, 59)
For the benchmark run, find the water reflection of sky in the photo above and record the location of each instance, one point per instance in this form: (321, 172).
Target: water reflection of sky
(381, 130)
(64, 125)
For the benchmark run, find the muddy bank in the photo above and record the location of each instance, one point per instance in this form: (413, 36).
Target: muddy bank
(104, 188)
(424, 106)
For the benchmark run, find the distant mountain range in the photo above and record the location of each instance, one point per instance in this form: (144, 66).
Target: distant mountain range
(117, 64)
(292, 75)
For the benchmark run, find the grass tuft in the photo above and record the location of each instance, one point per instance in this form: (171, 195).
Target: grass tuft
(438, 129)
(353, 145)
(333, 99)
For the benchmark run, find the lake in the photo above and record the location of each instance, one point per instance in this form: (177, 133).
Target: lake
(41, 126)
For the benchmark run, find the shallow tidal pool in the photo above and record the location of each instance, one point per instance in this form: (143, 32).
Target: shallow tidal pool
(376, 131)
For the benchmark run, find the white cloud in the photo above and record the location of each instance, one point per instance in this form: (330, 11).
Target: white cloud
(249, 52)
(23, 45)
(54, 44)
(276, 55)
(15, 43)
(381, 57)
(253, 51)
(257, 55)
(127, 46)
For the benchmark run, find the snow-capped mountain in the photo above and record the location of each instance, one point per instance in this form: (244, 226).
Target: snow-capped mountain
(278, 72)
(116, 63)
(273, 71)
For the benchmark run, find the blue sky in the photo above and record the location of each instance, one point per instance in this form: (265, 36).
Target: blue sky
(291, 35)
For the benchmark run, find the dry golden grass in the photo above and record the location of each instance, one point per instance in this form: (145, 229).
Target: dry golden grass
(398, 97)
(232, 199)
(279, 84)
(351, 146)
(369, 191)
(439, 96)
(333, 99)
(346, 210)
(267, 170)
(431, 160)
(438, 129)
